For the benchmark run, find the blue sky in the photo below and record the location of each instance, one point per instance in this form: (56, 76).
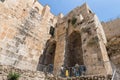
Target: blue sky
(104, 9)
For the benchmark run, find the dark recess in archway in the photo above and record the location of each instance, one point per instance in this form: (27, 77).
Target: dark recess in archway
(74, 53)
(48, 55)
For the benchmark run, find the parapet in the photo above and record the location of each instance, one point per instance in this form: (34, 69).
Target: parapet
(45, 10)
(84, 10)
(38, 7)
(60, 15)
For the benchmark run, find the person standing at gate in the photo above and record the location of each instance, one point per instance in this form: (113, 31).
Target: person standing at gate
(62, 70)
(77, 70)
(82, 69)
(66, 71)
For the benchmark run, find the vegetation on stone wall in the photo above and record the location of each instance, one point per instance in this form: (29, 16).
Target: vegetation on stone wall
(13, 76)
(74, 20)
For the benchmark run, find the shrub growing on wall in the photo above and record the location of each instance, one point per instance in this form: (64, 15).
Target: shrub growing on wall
(13, 76)
(74, 20)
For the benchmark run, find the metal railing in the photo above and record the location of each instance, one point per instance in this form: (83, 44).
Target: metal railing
(113, 74)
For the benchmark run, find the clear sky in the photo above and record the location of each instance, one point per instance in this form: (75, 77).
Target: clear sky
(104, 9)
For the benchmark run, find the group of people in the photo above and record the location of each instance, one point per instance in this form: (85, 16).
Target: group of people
(48, 69)
(65, 71)
(77, 70)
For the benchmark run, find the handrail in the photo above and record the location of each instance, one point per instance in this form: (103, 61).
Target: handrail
(113, 74)
(114, 70)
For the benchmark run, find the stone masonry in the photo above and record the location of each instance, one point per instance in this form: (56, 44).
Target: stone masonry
(80, 39)
(22, 28)
(31, 38)
(24, 74)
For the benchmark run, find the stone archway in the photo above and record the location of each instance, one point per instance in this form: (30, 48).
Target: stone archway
(48, 55)
(74, 53)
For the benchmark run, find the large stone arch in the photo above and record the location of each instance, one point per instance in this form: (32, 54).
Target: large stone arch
(48, 54)
(74, 53)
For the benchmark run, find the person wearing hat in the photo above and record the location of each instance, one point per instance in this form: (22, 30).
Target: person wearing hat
(77, 70)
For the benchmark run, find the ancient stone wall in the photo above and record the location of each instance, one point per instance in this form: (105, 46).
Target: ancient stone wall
(24, 74)
(112, 32)
(25, 37)
(37, 75)
(113, 48)
(24, 31)
(112, 28)
(81, 34)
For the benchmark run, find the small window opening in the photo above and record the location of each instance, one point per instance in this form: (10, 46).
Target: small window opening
(90, 11)
(52, 30)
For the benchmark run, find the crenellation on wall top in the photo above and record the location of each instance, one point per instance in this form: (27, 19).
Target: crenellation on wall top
(83, 10)
(60, 15)
(47, 7)
(38, 6)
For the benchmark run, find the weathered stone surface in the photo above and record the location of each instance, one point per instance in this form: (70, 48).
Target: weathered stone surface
(81, 39)
(22, 28)
(31, 38)
(24, 74)
(112, 28)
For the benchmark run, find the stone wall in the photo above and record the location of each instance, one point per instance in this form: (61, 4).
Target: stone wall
(112, 28)
(24, 74)
(37, 75)
(24, 31)
(112, 32)
(81, 34)
(113, 48)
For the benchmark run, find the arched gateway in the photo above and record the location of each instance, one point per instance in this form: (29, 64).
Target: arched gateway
(78, 39)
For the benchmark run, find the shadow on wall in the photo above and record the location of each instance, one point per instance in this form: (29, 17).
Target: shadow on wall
(47, 57)
(74, 49)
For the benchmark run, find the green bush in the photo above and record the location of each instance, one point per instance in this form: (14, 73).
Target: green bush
(13, 76)
(74, 20)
